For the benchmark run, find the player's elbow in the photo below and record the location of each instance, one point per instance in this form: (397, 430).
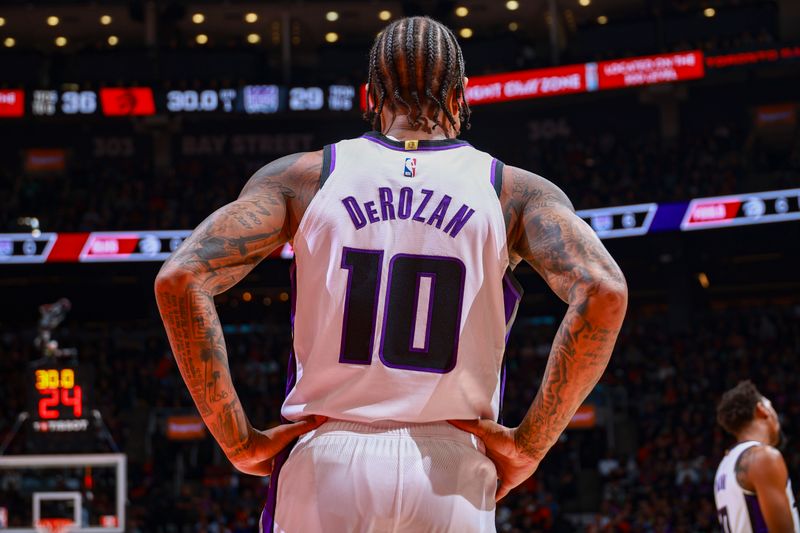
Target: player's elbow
(610, 293)
(171, 279)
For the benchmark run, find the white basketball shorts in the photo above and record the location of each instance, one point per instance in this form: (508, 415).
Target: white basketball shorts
(347, 477)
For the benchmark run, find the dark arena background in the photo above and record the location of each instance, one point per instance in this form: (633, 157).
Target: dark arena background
(672, 126)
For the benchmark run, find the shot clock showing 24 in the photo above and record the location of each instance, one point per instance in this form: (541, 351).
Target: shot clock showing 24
(59, 400)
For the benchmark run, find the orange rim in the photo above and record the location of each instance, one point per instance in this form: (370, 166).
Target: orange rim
(54, 525)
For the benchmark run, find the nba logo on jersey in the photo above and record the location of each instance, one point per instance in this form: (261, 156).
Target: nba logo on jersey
(410, 168)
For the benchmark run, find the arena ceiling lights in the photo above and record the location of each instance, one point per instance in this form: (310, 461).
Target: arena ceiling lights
(84, 22)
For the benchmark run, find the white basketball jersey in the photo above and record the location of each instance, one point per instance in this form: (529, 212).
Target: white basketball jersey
(738, 509)
(402, 302)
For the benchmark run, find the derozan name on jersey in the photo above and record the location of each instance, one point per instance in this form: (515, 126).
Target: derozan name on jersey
(403, 204)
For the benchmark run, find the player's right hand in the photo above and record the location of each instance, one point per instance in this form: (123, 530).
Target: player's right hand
(257, 455)
(513, 466)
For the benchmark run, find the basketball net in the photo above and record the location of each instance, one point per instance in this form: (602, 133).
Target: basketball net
(54, 525)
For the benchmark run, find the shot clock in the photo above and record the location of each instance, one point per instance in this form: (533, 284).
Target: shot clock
(60, 398)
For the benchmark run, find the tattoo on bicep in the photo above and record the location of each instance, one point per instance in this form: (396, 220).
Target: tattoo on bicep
(742, 466)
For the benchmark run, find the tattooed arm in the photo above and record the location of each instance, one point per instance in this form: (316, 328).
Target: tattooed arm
(544, 230)
(221, 251)
(761, 469)
(567, 253)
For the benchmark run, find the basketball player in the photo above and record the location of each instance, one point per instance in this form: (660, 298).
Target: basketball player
(402, 302)
(752, 487)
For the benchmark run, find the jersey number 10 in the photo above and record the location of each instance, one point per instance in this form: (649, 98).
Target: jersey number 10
(422, 310)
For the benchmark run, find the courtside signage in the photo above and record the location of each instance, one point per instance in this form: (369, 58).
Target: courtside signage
(130, 246)
(623, 221)
(742, 209)
(607, 222)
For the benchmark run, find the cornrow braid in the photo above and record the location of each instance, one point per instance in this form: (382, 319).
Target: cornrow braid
(464, 111)
(414, 119)
(374, 117)
(417, 60)
(448, 83)
(430, 62)
(391, 64)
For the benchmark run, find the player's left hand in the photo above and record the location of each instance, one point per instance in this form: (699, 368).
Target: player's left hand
(513, 466)
(258, 456)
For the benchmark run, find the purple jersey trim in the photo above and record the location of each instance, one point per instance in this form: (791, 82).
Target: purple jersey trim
(424, 145)
(494, 169)
(757, 521)
(268, 514)
(333, 159)
(512, 296)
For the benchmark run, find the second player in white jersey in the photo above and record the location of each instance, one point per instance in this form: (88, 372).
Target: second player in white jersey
(401, 305)
(738, 509)
(752, 488)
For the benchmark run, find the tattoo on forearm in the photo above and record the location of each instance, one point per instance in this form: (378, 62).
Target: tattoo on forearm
(543, 230)
(218, 254)
(578, 358)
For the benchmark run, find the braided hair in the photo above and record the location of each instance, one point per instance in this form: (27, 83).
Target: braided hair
(416, 63)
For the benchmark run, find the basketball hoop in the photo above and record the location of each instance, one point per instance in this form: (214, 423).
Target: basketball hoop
(54, 525)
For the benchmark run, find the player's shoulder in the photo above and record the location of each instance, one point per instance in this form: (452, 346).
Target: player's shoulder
(765, 455)
(524, 191)
(762, 464)
(294, 175)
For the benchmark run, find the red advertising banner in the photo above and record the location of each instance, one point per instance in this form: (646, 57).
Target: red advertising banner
(776, 116)
(526, 84)
(126, 101)
(12, 102)
(650, 70)
(769, 55)
(185, 428)
(714, 211)
(45, 159)
(585, 417)
(742, 209)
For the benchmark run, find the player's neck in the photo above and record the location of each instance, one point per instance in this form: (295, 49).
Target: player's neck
(401, 130)
(757, 433)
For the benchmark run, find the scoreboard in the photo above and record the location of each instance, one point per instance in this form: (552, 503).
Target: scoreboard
(60, 398)
(148, 101)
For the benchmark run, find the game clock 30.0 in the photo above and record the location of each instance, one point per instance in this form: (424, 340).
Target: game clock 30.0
(59, 398)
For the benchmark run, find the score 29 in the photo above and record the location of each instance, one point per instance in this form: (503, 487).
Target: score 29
(57, 387)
